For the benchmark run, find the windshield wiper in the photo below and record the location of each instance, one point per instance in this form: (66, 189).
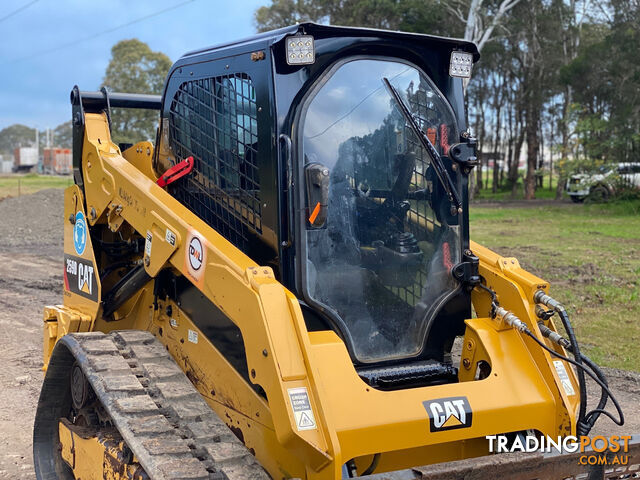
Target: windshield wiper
(436, 160)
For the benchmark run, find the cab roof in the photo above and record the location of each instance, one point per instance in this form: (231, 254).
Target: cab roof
(326, 31)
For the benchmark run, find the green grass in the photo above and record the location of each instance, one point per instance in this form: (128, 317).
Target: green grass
(591, 256)
(16, 185)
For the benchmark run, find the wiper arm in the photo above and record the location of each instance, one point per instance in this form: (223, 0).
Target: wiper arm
(436, 160)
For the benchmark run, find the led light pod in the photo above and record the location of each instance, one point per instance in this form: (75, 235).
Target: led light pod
(300, 50)
(461, 64)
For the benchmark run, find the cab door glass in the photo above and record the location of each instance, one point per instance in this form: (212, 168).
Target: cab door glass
(381, 262)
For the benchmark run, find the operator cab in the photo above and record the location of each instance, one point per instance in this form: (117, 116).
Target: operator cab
(339, 157)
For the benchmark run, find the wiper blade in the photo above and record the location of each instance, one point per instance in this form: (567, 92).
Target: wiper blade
(436, 159)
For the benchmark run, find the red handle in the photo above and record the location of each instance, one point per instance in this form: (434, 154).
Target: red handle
(177, 171)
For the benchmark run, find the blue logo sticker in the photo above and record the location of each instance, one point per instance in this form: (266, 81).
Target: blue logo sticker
(80, 233)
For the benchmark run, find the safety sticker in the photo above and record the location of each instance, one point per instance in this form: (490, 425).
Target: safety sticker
(302, 409)
(195, 256)
(80, 233)
(564, 377)
(79, 277)
(193, 336)
(147, 244)
(170, 238)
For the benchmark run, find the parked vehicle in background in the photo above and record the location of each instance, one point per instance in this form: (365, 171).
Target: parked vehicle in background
(24, 159)
(603, 183)
(56, 161)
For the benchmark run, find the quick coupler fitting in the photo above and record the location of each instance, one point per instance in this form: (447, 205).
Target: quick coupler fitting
(554, 336)
(544, 299)
(510, 319)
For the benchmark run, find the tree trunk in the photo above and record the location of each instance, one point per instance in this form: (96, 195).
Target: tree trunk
(540, 166)
(481, 133)
(496, 145)
(564, 152)
(533, 146)
(513, 168)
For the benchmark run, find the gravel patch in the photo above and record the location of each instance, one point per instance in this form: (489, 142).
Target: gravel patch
(33, 220)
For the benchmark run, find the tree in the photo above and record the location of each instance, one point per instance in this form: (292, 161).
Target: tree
(605, 81)
(481, 19)
(16, 136)
(63, 135)
(135, 68)
(424, 16)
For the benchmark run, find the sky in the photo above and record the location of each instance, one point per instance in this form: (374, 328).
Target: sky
(36, 75)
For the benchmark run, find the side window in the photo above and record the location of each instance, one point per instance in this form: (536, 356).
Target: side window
(215, 120)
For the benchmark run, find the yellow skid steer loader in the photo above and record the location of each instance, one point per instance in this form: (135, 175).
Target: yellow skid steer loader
(283, 284)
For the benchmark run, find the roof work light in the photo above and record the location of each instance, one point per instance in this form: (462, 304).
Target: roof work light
(460, 64)
(300, 50)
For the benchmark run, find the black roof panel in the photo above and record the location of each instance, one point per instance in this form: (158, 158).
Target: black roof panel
(319, 30)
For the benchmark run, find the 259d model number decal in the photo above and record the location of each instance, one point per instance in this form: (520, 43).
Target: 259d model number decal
(79, 277)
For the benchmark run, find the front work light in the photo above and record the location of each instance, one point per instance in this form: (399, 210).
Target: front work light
(300, 50)
(460, 65)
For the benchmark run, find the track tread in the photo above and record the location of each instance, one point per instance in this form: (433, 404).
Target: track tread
(164, 420)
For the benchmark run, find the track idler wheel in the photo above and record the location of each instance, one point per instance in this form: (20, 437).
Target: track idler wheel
(81, 391)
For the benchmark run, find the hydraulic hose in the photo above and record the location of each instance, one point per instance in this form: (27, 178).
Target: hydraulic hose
(592, 416)
(544, 299)
(595, 378)
(582, 363)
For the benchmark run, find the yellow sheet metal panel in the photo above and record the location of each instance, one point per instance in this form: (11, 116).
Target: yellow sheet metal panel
(374, 421)
(82, 286)
(515, 288)
(140, 156)
(58, 321)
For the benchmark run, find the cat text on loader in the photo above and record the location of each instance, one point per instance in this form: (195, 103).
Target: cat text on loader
(273, 288)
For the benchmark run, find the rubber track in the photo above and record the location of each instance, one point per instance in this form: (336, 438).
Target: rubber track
(165, 421)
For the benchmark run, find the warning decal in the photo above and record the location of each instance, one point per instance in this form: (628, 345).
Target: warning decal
(564, 377)
(147, 244)
(302, 409)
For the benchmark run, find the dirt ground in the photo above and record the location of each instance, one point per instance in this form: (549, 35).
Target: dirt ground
(31, 277)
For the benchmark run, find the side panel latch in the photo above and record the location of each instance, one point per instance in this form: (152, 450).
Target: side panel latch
(466, 272)
(464, 153)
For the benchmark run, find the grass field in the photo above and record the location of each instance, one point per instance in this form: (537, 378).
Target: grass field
(16, 185)
(591, 256)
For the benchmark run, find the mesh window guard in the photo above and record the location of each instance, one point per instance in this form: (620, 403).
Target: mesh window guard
(215, 120)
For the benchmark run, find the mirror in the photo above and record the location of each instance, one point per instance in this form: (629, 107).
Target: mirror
(317, 179)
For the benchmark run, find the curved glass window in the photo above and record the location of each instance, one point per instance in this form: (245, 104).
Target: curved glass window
(381, 262)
